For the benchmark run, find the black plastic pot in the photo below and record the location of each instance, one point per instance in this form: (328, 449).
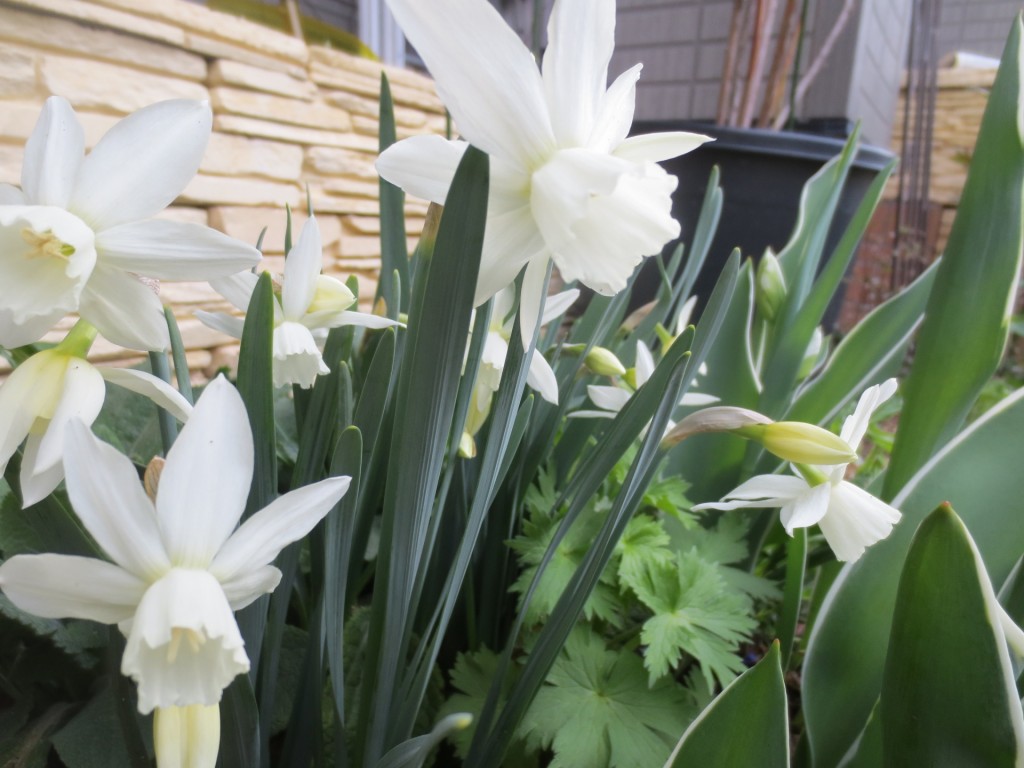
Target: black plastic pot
(762, 175)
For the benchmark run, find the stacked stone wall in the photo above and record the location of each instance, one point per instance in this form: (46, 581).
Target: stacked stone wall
(287, 117)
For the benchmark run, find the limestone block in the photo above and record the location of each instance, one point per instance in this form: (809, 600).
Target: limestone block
(232, 155)
(224, 26)
(362, 225)
(352, 187)
(353, 82)
(267, 106)
(189, 293)
(224, 190)
(354, 103)
(214, 48)
(362, 206)
(224, 72)
(195, 335)
(294, 134)
(360, 247)
(246, 224)
(369, 126)
(17, 72)
(333, 59)
(97, 85)
(181, 213)
(10, 164)
(223, 358)
(331, 161)
(18, 118)
(68, 36)
(91, 13)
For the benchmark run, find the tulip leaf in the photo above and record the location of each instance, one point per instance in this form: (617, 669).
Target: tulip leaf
(979, 474)
(948, 693)
(747, 724)
(970, 306)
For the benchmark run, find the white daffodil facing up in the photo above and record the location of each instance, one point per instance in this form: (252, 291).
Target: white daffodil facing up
(565, 181)
(54, 387)
(309, 303)
(178, 567)
(540, 377)
(850, 518)
(79, 232)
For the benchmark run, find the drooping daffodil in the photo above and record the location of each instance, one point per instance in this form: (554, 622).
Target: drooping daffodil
(850, 518)
(178, 566)
(54, 387)
(612, 399)
(309, 303)
(79, 233)
(540, 377)
(566, 184)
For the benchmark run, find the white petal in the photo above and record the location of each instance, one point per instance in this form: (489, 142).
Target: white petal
(53, 154)
(531, 299)
(683, 319)
(338, 319)
(142, 163)
(108, 498)
(18, 334)
(184, 646)
(806, 509)
(301, 270)
(237, 289)
(423, 166)
(581, 37)
(485, 75)
(41, 278)
(644, 363)
(694, 399)
(761, 491)
(148, 385)
(655, 147)
(286, 519)
(69, 587)
(37, 482)
(124, 310)
(229, 325)
(174, 250)
(494, 353)
(591, 415)
(30, 391)
(555, 306)
(81, 399)
(11, 195)
(855, 521)
(857, 423)
(248, 585)
(297, 359)
(542, 379)
(511, 240)
(205, 482)
(615, 117)
(608, 398)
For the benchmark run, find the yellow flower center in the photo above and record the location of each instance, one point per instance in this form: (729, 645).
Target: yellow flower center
(45, 245)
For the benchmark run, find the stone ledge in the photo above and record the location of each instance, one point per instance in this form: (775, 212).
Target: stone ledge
(225, 72)
(229, 154)
(214, 190)
(293, 134)
(281, 109)
(92, 13)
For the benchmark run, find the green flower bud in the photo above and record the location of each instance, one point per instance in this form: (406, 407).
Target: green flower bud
(604, 363)
(769, 287)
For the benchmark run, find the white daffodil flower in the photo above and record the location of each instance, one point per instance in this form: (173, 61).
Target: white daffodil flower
(611, 400)
(850, 518)
(565, 181)
(309, 303)
(79, 232)
(540, 377)
(178, 567)
(53, 388)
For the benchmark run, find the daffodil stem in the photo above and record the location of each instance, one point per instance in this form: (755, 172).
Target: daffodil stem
(811, 474)
(178, 355)
(79, 339)
(168, 427)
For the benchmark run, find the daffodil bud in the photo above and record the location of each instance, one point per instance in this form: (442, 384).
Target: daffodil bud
(467, 446)
(801, 443)
(770, 287)
(604, 363)
(719, 418)
(187, 736)
(331, 295)
(664, 337)
(812, 354)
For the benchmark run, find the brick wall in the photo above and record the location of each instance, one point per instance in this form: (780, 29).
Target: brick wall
(286, 116)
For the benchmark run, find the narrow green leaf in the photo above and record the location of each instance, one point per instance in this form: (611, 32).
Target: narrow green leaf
(979, 474)
(792, 594)
(967, 321)
(394, 251)
(168, 426)
(181, 372)
(746, 725)
(948, 694)
(414, 752)
(239, 725)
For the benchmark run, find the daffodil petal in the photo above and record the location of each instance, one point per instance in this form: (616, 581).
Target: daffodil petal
(205, 482)
(124, 310)
(499, 105)
(53, 154)
(238, 289)
(761, 491)
(297, 359)
(555, 306)
(855, 521)
(615, 117)
(245, 586)
(531, 298)
(511, 240)
(591, 415)
(11, 195)
(286, 519)
(542, 379)
(656, 147)
(148, 385)
(581, 38)
(142, 163)
(644, 363)
(807, 508)
(21, 399)
(857, 423)
(338, 319)
(108, 498)
(423, 166)
(174, 250)
(301, 270)
(70, 587)
(37, 481)
(229, 325)
(608, 398)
